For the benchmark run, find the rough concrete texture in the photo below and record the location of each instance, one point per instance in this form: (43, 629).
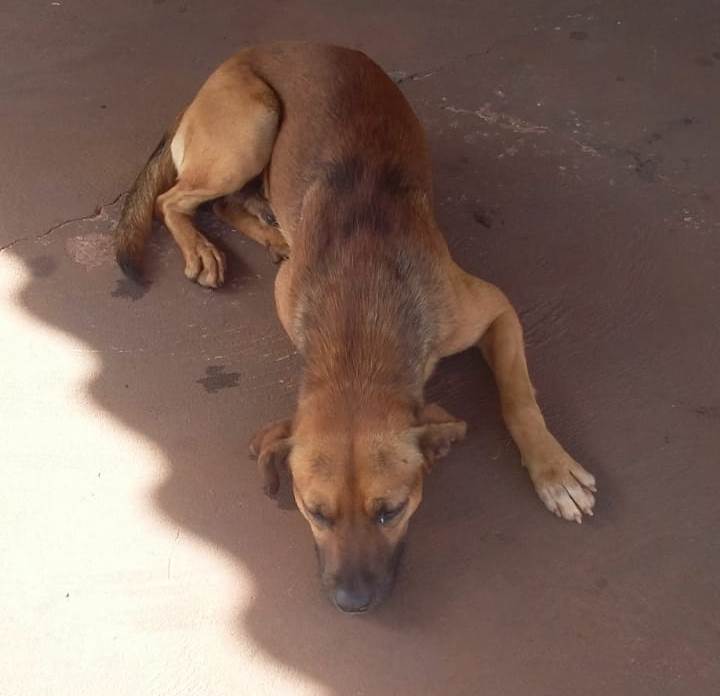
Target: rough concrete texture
(576, 165)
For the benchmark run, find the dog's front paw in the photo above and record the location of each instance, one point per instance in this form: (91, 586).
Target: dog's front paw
(563, 485)
(271, 446)
(205, 263)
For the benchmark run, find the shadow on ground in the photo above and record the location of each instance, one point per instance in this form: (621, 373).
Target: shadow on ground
(494, 592)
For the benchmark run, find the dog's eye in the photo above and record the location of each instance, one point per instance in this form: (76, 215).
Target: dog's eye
(387, 515)
(320, 519)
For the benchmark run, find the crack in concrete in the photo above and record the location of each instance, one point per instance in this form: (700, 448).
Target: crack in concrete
(400, 76)
(97, 214)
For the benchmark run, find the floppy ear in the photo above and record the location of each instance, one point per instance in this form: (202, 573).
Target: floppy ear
(436, 432)
(271, 446)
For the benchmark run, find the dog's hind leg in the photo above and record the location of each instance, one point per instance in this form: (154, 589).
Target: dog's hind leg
(483, 316)
(225, 139)
(248, 216)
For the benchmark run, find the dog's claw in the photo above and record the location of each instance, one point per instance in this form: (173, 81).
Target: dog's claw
(278, 252)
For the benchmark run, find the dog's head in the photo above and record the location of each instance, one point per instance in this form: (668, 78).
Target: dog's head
(357, 482)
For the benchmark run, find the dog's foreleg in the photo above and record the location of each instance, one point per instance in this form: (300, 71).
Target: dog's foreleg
(562, 484)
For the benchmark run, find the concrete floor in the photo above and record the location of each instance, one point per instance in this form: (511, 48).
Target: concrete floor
(576, 165)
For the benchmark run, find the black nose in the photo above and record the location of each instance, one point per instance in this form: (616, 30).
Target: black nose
(353, 599)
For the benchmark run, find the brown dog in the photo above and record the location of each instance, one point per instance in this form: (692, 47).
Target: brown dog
(313, 151)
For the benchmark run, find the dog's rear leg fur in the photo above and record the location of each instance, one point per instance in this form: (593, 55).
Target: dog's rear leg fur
(488, 320)
(224, 140)
(239, 212)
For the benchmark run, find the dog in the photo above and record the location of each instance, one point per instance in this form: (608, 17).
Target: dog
(313, 151)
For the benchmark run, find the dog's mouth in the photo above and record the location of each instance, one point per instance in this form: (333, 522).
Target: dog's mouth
(351, 609)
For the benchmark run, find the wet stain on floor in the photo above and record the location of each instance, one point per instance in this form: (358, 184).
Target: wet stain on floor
(129, 289)
(216, 379)
(42, 266)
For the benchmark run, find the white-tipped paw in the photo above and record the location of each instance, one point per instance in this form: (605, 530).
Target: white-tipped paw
(564, 486)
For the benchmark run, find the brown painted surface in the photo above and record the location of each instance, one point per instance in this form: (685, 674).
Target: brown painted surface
(575, 162)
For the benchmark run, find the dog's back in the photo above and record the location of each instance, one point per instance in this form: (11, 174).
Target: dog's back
(349, 182)
(344, 122)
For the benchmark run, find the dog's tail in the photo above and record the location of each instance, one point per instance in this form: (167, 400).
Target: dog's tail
(136, 218)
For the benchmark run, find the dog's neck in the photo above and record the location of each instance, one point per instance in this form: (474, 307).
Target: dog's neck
(326, 405)
(363, 319)
(363, 325)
